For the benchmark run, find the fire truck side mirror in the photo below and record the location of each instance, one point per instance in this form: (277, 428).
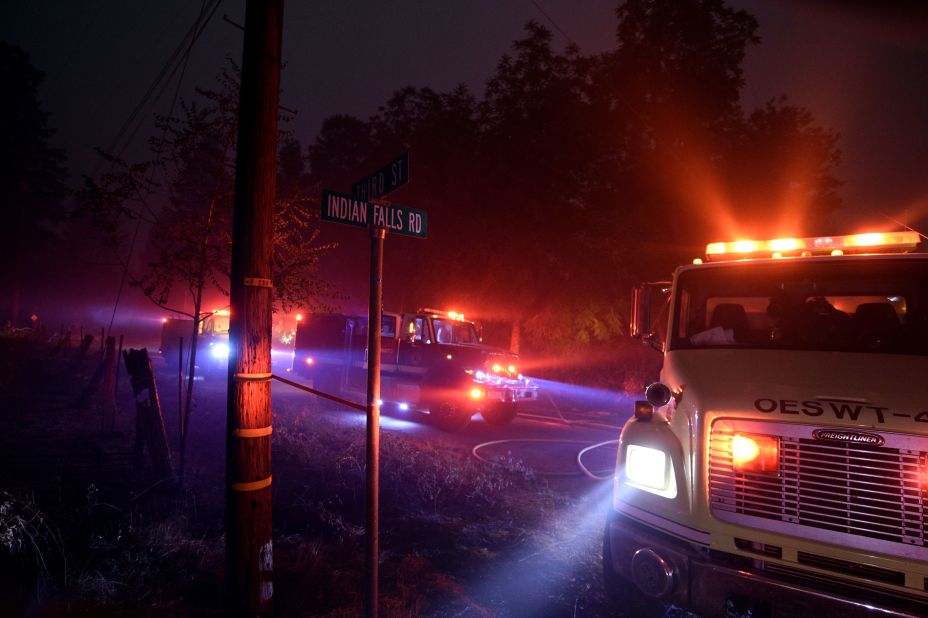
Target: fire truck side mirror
(650, 303)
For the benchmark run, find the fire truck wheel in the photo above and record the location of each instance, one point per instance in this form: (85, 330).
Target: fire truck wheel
(449, 415)
(500, 413)
(623, 595)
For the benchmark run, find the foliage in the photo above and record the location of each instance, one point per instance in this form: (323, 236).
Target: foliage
(32, 172)
(297, 250)
(191, 174)
(27, 537)
(190, 245)
(576, 175)
(416, 477)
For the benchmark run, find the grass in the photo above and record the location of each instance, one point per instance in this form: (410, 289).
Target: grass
(444, 515)
(119, 544)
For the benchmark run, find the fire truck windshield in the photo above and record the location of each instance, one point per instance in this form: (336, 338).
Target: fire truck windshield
(454, 331)
(851, 305)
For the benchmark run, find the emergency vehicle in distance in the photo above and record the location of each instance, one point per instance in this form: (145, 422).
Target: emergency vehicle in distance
(432, 362)
(213, 346)
(780, 465)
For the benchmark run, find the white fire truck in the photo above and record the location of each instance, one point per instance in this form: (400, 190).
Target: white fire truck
(432, 362)
(780, 465)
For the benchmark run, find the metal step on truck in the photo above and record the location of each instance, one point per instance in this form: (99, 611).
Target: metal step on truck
(780, 465)
(432, 362)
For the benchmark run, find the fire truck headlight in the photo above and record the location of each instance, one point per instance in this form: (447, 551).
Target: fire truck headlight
(476, 393)
(650, 469)
(220, 350)
(755, 453)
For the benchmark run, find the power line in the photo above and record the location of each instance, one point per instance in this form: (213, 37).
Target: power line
(167, 72)
(203, 19)
(553, 23)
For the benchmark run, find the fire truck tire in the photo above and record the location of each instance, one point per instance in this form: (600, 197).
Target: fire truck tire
(624, 596)
(449, 415)
(499, 414)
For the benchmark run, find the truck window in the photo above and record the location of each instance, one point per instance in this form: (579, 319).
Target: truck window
(836, 305)
(417, 329)
(388, 326)
(454, 331)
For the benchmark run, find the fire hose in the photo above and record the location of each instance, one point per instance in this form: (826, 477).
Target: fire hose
(579, 459)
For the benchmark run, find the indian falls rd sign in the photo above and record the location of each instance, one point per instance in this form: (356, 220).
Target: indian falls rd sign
(351, 210)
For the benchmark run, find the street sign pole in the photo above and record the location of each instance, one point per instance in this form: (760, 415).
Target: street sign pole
(363, 209)
(375, 311)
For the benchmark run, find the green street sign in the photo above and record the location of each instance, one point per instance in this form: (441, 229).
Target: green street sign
(348, 209)
(393, 175)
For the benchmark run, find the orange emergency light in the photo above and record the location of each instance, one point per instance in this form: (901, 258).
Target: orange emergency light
(755, 453)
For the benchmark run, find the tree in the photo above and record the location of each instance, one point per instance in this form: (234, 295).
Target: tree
(781, 157)
(190, 232)
(32, 173)
(576, 175)
(671, 90)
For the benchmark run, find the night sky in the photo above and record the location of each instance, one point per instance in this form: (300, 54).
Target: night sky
(859, 71)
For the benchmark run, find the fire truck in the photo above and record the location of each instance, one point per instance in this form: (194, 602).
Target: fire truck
(779, 467)
(213, 347)
(432, 362)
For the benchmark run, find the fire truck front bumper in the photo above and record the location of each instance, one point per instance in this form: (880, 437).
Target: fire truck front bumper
(713, 583)
(510, 393)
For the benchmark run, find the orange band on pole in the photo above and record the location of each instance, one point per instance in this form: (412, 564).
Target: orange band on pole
(252, 486)
(257, 432)
(253, 377)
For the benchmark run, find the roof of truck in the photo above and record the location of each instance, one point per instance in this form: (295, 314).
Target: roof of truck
(861, 257)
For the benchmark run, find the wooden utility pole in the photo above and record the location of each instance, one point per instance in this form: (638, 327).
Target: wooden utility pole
(249, 553)
(374, 326)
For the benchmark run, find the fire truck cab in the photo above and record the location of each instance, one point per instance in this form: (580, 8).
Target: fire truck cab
(213, 346)
(780, 465)
(432, 362)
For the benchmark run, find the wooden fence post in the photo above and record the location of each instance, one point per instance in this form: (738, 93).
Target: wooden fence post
(149, 418)
(108, 422)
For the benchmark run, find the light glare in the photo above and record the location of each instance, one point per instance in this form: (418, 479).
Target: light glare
(646, 466)
(755, 453)
(220, 350)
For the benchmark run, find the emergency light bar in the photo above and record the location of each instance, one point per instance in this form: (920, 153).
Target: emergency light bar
(454, 315)
(876, 242)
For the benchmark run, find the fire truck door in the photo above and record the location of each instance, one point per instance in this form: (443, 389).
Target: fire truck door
(413, 342)
(389, 343)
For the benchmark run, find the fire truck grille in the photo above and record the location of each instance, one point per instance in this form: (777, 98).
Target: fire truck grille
(867, 491)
